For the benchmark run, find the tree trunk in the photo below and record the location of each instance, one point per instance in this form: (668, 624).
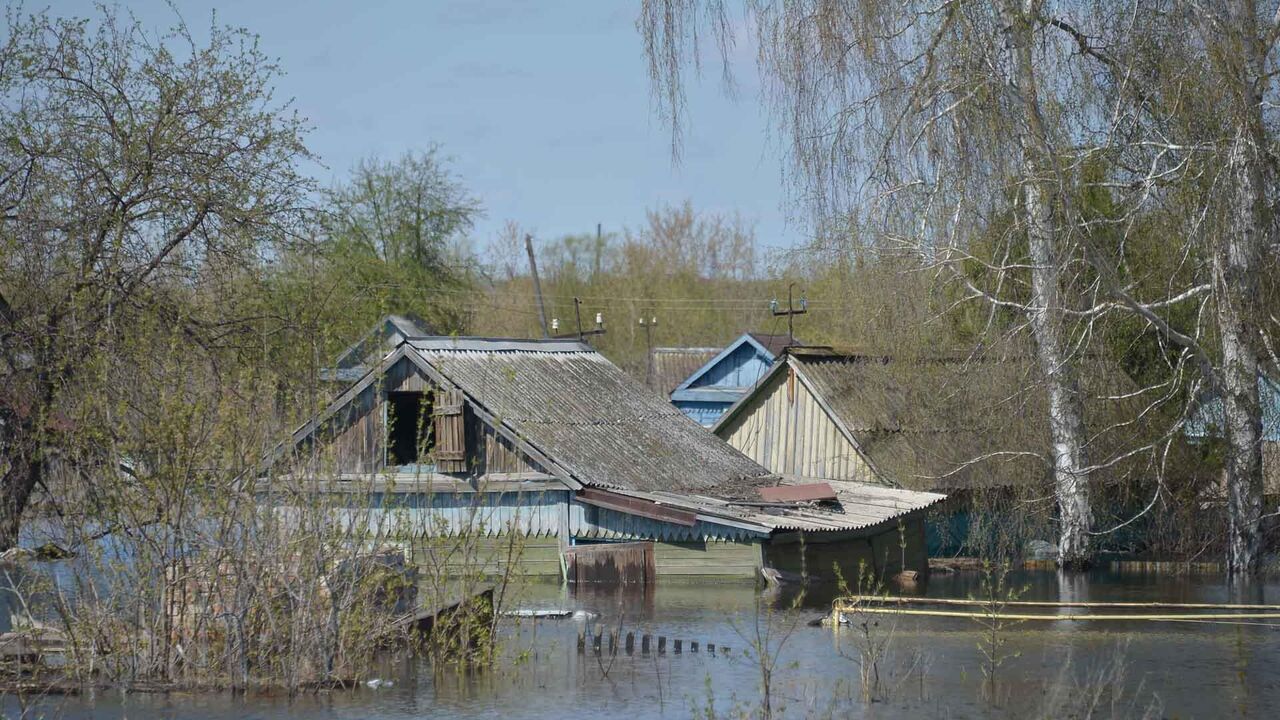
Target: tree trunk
(1236, 265)
(1066, 413)
(1066, 421)
(19, 473)
(1237, 262)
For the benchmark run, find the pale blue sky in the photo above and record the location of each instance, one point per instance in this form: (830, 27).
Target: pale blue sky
(544, 106)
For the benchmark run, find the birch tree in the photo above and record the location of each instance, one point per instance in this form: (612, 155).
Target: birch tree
(925, 119)
(1239, 43)
(1214, 151)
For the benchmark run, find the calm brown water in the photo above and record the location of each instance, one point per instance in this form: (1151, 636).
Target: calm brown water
(932, 667)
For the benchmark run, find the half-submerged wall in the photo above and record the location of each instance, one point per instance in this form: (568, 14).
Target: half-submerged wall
(852, 558)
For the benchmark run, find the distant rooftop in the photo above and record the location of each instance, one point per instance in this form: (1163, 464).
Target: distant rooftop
(671, 365)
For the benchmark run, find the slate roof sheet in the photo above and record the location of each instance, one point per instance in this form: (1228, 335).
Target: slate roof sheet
(580, 409)
(671, 365)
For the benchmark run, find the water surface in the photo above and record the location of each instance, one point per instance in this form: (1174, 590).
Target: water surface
(926, 667)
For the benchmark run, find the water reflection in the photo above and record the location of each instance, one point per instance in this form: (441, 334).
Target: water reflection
(931, 666)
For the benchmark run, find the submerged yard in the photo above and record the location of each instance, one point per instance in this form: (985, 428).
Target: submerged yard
(914, 666)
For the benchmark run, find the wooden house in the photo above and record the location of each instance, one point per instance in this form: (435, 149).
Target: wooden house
(945, 424)
(548, 440)
(711, 389)
(1206, 425)
(354, 361)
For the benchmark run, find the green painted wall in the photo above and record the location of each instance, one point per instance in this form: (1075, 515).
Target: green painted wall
(714, 558)
(532, 556)
(885, 553)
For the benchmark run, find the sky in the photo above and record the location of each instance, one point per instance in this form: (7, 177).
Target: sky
(543, 107)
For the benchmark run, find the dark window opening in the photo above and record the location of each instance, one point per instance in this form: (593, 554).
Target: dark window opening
(408, 427)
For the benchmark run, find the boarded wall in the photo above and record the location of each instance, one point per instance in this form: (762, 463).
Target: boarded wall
(535, 557)
(787, 431)
(725, 559)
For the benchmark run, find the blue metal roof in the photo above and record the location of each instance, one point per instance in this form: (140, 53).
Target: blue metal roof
(1209, 420)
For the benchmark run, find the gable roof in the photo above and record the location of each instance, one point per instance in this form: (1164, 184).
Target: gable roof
(769, 346)
(587, 423)
(384, 336)
(671, 365)
(579, 409)
(773, 344)
(940, 422)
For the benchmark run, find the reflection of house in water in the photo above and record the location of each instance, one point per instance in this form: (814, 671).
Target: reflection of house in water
(551, 440)
(948, 424)
(704, 391)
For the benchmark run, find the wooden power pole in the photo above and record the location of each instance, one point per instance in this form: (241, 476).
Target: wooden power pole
(537, 286)
(790, 313)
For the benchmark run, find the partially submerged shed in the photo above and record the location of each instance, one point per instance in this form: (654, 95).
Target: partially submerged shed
(931, 423)
(549, 440)
(946, 424)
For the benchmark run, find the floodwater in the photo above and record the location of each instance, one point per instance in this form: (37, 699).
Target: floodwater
(925, 666)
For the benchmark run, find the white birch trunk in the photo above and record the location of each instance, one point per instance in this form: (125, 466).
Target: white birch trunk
(1237, 261)
(1066, 416)
(1236, 264)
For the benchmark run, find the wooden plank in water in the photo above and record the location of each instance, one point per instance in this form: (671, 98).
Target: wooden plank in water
(625, 563)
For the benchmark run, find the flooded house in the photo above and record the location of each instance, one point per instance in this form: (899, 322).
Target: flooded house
(550, 442)
(725, 376)
(953, 424)
(1206, 426)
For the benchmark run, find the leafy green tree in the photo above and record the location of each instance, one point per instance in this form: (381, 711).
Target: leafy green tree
(396, 234)
(135, 173)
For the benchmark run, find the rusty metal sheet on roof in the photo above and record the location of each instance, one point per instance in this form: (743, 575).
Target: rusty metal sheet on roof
(591, 418)
(809, 492)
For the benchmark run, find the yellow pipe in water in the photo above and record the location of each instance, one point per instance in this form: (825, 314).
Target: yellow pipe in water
(1086, 616)
(855, 599)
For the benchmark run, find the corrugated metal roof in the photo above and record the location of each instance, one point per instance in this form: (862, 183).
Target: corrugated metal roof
(775, 344)
(954, 422)
(862, 506)
(601, 425)
(671, 365)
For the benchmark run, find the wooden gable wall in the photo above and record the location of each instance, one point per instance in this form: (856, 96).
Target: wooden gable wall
(358, 433)
(785, 429)
(739, 369)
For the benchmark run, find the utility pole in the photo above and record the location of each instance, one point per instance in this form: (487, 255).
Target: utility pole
(648, 346)
(595, 265)
(537, 286)
(581, 334)
(790, 313)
